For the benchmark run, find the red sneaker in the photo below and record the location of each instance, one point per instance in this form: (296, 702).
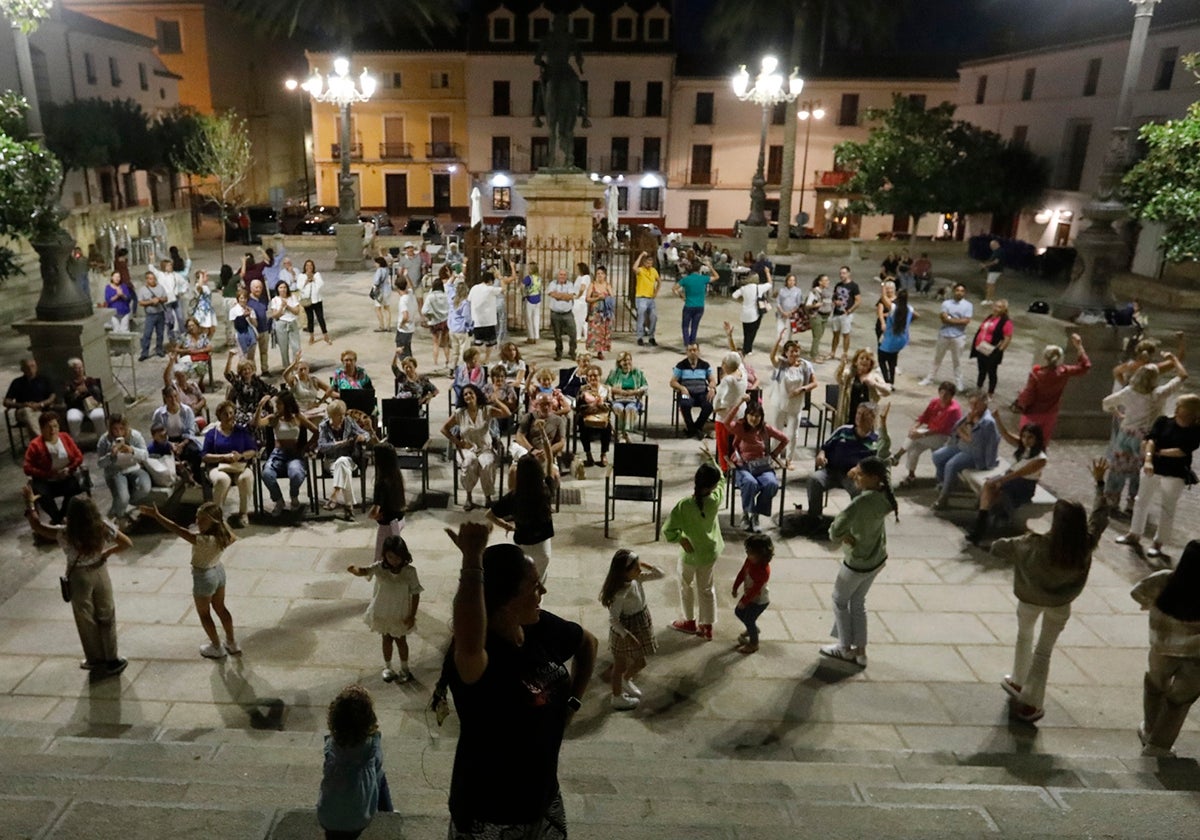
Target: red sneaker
(705, 631)
(684, 625)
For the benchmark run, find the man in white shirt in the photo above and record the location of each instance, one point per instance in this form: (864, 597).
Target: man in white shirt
(955, 315)
(483, 298)
(562, 318)
(408, 315)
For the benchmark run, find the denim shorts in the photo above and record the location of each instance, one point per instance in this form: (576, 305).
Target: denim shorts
(206, 582)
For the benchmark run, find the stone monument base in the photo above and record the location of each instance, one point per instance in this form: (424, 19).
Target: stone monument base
(561, 204)
(52, 343)
(349, 247)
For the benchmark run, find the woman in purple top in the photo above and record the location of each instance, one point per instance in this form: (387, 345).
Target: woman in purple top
(117, 297)
(228, 449)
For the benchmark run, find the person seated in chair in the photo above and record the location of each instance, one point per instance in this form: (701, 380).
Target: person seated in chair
(931, 430)
(842, 452)
(1003, 494)
(572, 380)
(540, 427)
(754, 460)
(53, 463)
(974, 445)
(122, 454)
(409, 383)
(183, 435)
(339, 440)
(694, 380)
(84, 398)
(29, 394)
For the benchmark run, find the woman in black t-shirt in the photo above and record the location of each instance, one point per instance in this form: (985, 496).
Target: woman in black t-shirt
(525, 510)
(1168, 448)
(506, 669)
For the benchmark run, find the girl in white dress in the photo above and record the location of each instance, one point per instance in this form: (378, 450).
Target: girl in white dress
(393, 609)
(579, 308)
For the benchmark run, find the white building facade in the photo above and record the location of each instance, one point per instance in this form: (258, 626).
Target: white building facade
(1062, 103)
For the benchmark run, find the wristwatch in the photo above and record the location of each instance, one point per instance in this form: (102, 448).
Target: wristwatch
(574, 703)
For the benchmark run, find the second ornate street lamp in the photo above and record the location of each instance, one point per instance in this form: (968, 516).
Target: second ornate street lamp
(768, 90)
(808, 112)
(339, 88)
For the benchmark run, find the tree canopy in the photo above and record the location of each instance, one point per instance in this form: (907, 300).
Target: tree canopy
(920, 160)
(340, 21)
(221, 153)
(30, 181)
(1165, 185)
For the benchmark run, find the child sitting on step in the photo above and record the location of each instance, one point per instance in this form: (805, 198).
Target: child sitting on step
(353, 784)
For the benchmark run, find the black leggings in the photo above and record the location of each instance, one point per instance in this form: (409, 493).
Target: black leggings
(318, 310)
(749, 331)
(587, 434)
(988, 368)
(887, 365)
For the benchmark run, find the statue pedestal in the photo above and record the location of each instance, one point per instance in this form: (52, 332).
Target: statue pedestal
(52, 343)
(754, 239)
(1080, 416)
(560, 206)
(349, 247)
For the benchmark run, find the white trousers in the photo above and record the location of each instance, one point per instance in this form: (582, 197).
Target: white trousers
(956, 345)
(533, 320)
(343, 479)
(1153, 485)
(693, 579)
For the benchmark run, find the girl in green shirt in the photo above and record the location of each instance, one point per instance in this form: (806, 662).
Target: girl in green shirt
(693, 524)
(860, 530)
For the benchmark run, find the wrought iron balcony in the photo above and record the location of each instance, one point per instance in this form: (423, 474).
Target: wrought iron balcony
(395, 151)
(356, 151)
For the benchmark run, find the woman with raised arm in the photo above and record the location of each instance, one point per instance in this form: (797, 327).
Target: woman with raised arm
(507, 670)
(1019, 482)
(469, 429)
(311, 394)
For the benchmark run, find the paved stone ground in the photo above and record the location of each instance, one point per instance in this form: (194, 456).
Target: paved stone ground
(923, 730)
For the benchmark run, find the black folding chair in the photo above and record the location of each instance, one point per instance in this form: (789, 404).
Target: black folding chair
(410, 437)
(634, 477)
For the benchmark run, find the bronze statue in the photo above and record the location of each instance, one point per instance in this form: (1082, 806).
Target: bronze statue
(561, 92)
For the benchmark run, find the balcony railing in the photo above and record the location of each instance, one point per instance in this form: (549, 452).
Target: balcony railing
(616, 163)
(702, 177)
(356, 151)
(441, 151)
(395, 151)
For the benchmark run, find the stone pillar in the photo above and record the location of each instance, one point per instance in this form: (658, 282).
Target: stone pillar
(561, 205)
(51, 343)
(349, 247)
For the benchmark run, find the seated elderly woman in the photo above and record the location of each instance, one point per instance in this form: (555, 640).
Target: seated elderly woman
(593, 408)
(287, 423)
(53, 463)
(84, 398)
(469, 429)
(860, 383)
(754, 460)
(572, 380)
(246, 391)
(190, 393)
(350, 375)
(629, 387)
(411, 385)
(228, 450)
(1018, 484)
(311, 394)
(339, 439)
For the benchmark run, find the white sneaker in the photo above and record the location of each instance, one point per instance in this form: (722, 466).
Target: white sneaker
(211, 651)
(404, 675)
(388, 675)
(928, 380)
(624, 703)
(630, 689)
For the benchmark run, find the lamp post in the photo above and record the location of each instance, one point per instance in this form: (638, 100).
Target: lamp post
(292, 85)
(1100, 251)
(339, 88)
(809, 111)
(767, 91)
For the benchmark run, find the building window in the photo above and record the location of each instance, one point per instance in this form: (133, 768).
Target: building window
(656, 29)
(619, 154)
(704, 109)
(501, 153)
(650, 199)
(620, 103)
(981, 89)
(114, 71)
(501, 99)
(579, 152)
(779, 112)
(654, 99)
(439, 81)
(143, 76)
(539, 152)
(652, 154)
(848, 113)
(623, 27)
(89, 68)
(622, 199)
(701, 171)
(1093, 77)
(501, 198)
(1020, 135)
(581, 27)
(1027, 85)
(502, 29)
(167, 34)
(917, 99)
(1075, 153)
(393, 80)
(698, 214)
(774, 164)
(1167, 60)
(539, 25)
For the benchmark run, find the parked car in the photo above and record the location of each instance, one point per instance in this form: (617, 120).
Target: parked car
(319, 221)
(264, 222)
(290, 218)
(425, 227)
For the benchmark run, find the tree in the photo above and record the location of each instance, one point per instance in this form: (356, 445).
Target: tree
(740, 23)
(170, 135)
(340, 21)
(1165, 185)
(919, 161)
(80, 135)
(221, 153)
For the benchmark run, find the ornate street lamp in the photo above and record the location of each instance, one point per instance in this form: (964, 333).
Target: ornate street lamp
(1100, 251)
(767, 91)
(339, 88)
(809, 111)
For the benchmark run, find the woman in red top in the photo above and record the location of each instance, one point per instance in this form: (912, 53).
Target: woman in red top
(996, 332)
(931, 430)
(753, 460)
(52, 463)
(1039, 400)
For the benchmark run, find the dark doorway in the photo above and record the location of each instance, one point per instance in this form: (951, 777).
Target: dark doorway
(395, 187)
(441, 192)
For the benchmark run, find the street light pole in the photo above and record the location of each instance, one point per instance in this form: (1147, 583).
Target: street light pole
(808, 112)
(768, 90)
(339, 88)
(1100, 251)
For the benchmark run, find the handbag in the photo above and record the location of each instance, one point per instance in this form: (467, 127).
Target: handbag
(64, 584)
(801, 321)
(90, 403)
(597, 420)
(374, 293)
(757, 466)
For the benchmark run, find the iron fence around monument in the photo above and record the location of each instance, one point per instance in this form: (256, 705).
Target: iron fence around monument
(509, 256)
